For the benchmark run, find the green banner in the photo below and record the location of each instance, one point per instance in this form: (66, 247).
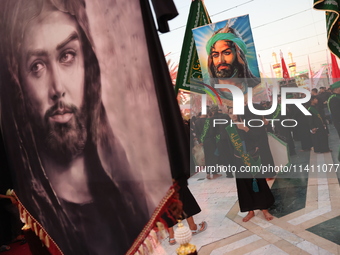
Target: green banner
(239, 146)
(247, 159)
(332, 23)
(189, 68)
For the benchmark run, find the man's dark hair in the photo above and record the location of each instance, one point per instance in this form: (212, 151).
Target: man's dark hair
(315, 90)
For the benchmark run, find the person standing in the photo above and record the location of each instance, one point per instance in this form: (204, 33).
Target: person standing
(252, 188)
(223, 145)
(334, 105)
(208, 138)
(318, 128)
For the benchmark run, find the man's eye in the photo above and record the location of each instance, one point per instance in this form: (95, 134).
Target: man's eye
(67, 57)
(215, 55)
(37, 67)
(227, 53)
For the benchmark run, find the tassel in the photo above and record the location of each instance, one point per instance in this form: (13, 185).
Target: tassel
(47, 242)
(35, 228)
(41, 234)
(29, 221)
(255, 186)
(148, 245)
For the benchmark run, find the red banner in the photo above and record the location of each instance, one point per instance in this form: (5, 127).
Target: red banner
(335, 69)
(285, 73)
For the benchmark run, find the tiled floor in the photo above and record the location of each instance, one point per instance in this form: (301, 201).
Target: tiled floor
(307, 213)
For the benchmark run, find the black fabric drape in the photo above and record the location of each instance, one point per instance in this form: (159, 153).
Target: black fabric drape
(5, 174)
(165, 10)
(177, 142)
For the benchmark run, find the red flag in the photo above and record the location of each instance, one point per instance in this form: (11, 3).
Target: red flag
(285, 73)
(335, 69)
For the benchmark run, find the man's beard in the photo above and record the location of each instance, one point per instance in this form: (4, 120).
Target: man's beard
(62, 142)
(227, 72)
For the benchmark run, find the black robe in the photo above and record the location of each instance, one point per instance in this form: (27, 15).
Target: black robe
(248, 199)
(224, 146)
(334, 107)
(190, 207)
(302, 131)
(284, 132)
(208, 137)
(320, 138)
(262, 139)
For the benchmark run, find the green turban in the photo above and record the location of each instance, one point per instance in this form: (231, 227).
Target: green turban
(335, 85)
(226, 36)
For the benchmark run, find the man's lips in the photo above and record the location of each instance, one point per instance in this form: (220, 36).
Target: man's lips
(223, 67)
(61, 116)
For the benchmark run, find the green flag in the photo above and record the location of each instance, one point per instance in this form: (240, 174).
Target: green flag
(332, 23)
(189, 65)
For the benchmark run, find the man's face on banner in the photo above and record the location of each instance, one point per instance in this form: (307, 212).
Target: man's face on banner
(223, 55)
(52, 76)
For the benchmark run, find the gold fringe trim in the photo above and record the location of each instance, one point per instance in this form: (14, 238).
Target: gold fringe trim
(145, 244)
(33, 224)
(142, 245)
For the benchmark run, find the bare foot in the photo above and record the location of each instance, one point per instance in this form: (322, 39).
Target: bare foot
(216, 176)
(267, 215)
(250, 215)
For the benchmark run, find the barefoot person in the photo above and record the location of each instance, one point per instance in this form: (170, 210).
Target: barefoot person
(252, 188)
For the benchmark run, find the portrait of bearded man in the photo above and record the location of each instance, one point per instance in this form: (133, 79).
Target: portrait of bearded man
(73, 164)
(227, 62)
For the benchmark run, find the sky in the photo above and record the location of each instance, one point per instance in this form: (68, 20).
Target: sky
(289, 25)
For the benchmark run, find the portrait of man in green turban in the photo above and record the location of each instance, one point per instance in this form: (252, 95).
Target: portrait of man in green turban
(227, 55)
(227, 62)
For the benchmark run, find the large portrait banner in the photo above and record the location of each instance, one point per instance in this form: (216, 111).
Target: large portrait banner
(227, 55)
(82, 123)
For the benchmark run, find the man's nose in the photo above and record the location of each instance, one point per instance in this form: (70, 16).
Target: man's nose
(57, 86)
(221, 59)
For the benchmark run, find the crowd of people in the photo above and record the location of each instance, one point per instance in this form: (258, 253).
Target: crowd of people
(247, 145)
